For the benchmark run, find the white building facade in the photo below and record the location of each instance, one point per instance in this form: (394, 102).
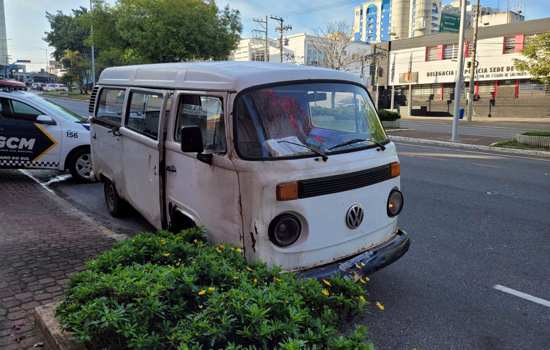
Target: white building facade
(305, 49)
(378, 21)
(429, 64)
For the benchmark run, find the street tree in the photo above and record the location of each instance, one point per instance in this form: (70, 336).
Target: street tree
(76, 69)
(153, 31)
(68, 32)
(333, 43)
(537, 53)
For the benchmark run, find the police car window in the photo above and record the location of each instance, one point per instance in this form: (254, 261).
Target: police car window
(207, 113)
(144, 113)
(109, 107)
(13, 109)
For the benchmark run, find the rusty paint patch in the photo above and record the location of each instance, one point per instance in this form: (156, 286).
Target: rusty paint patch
(253, 239)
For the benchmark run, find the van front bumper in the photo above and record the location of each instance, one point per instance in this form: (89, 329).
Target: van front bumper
(364, 263)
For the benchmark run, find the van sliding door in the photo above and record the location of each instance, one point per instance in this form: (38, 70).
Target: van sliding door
(141, 136)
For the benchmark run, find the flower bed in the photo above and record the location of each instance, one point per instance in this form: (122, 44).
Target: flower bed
(167, 291)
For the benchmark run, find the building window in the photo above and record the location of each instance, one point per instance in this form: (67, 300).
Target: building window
(258, 56)
(509, 44)
(450, 51)
(432, 53)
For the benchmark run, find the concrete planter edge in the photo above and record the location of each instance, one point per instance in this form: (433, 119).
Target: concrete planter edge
(538, 141)
(56, 338)
(391, 123)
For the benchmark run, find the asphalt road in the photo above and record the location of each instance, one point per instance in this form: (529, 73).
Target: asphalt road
(476, 220)
(502, 130)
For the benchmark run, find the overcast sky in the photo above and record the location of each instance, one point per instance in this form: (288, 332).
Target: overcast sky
(26, 21)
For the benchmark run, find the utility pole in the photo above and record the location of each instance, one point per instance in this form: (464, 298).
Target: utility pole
(473, 68)
(392, 99)
(93, 46)
(375, 78)
(460, 70)
(281, 29)
(264, 31)
(409, 106)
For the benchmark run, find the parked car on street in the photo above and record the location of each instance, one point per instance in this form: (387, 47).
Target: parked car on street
(55, 87)
(38, 134)
(289, 163)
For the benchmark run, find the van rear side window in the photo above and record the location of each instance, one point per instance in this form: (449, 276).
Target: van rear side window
(109, 107)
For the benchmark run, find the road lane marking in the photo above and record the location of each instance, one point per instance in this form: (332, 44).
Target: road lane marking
(522, 295)
(447, 155)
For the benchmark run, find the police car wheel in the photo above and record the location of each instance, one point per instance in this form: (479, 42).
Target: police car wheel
(80, 166)
(115, 204)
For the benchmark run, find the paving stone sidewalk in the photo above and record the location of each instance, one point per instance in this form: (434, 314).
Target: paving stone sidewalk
(42, 242)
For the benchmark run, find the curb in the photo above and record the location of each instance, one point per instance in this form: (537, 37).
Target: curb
(466, 146)
(66, 98)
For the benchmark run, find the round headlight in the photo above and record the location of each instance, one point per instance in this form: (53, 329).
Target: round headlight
(395, 203)
(284, 230)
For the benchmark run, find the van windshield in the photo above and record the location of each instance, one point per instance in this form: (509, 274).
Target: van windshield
(305, 119)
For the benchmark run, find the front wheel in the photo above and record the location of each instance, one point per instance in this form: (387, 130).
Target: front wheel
(80, 165)
(115, 204)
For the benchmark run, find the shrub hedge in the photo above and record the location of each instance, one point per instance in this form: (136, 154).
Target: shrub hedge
(386, 115)
(176, 291)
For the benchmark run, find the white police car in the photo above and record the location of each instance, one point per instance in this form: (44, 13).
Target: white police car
(38, 134)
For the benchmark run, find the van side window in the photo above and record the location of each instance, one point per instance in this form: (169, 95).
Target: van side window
(144, 113)
(207, 113)
(109, 107)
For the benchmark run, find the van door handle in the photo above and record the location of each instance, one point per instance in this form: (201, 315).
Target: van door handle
(171, 168)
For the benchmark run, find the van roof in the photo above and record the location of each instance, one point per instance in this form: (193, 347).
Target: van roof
(218, 75)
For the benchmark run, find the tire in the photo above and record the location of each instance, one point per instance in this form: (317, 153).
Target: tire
(115, 204)
(80, 165)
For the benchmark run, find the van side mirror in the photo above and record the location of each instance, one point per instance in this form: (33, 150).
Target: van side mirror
(191, 139)
(45, 119)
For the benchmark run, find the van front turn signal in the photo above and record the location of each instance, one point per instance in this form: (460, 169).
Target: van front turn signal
(287, 191)
(395, 169)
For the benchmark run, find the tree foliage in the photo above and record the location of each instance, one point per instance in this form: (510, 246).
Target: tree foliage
(76, 66)
(537, 52)
(147, 31)
(68, 32)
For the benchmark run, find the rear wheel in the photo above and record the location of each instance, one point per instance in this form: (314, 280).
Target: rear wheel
(80, 165)
(115, 204)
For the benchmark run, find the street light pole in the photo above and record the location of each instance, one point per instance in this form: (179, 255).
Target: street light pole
(460, 70)
(473, 68)
(93, 46)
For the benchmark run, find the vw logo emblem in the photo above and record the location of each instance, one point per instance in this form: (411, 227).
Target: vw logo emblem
(354, 216)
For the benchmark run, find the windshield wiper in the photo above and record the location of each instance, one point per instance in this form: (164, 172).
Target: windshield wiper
(352, 141)
(309, 147)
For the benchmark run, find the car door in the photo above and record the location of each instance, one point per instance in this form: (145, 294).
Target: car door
(141, 152)
(206, 193)
(106, 145)
(26, 142)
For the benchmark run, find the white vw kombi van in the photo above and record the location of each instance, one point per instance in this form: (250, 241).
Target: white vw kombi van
(290, 163)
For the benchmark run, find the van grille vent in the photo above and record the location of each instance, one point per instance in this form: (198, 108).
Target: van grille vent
(344, 182)
(92, 99)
